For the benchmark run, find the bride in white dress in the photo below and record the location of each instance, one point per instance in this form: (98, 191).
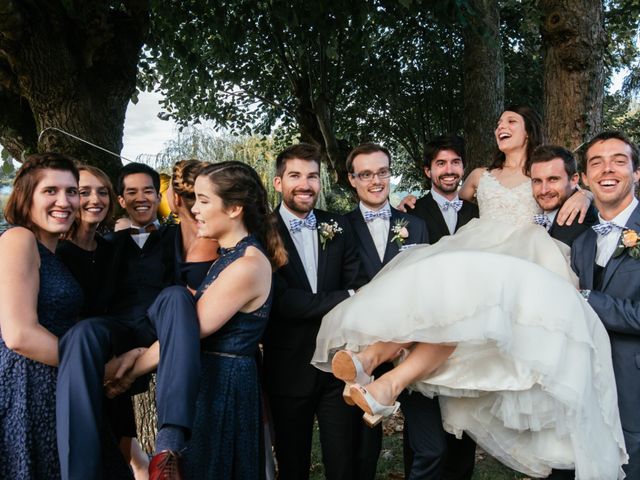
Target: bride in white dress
(490, 319)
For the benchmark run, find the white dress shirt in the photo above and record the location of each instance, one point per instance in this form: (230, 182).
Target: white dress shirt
(306, 242)
(607, 244)
(379, 229)
(450, 215)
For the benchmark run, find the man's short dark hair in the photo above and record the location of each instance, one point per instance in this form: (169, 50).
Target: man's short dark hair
(365, 149)
(443, 142)
(546, 153)
(608, 135)
(302, 151)
(133, 168)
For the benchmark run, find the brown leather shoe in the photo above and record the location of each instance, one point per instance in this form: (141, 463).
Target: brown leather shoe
(166, 465)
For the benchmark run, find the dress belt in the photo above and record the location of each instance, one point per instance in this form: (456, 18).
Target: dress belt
(224, 354)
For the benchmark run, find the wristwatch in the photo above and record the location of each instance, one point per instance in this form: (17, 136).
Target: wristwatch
(585, 294)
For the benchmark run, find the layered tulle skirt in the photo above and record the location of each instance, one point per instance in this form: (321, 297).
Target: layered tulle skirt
(531, 379)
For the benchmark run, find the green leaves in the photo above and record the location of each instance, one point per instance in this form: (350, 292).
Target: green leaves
(7, 163)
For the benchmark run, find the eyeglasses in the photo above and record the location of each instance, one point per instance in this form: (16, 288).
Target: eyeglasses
(368, 175)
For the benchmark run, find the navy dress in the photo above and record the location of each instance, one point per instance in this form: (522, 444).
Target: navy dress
(28, 388)
(225, 442)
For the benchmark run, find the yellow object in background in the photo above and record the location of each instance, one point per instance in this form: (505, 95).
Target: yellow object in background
(164, 210)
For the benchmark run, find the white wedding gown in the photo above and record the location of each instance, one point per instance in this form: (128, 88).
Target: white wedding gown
(531, 379)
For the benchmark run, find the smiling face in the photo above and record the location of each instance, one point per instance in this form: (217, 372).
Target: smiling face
(299, 185)
(610, 175)
(94, 198)
(372, 193)
(54, 203)
(551, 184)
(445, 172)
(211, 216)
(511, 133)
(140, 199)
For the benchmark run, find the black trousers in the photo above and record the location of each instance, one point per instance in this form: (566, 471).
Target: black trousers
(87, 347)
(293, 425)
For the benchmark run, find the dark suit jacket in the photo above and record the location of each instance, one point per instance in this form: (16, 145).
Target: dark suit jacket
(428, 210)
(290, 337)
(618, 306)
(568, 233)
(367, 248)
(138, 275)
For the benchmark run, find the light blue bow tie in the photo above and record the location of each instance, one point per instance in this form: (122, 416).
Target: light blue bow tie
(543, 220)
(455, 204)
(605, 228)
(296, 224)
(370, 216)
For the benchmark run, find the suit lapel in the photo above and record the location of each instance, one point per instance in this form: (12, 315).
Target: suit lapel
(362, 231)
(322, 252)
(436, 214)
(294, 258)
(614, 263)
(392, 248)
(589, 258)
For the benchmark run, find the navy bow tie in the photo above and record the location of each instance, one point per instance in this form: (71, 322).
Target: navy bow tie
(455, 204)
(296, 224)
(370, 216)
(543, 220)
(605, 228)
(146, 229)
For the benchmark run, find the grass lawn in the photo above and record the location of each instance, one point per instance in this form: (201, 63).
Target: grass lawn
(390, 465)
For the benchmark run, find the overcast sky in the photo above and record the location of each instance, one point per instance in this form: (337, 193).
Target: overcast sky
(144, 132)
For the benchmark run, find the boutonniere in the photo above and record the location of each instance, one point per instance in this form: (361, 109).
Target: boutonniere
(327, 231)
(400, 232)
(628, 242)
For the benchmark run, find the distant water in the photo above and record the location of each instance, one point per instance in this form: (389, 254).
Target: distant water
(5, 190)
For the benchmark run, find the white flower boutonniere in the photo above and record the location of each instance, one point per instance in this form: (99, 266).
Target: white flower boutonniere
(629, 242)
(400, 232)
(327, 231)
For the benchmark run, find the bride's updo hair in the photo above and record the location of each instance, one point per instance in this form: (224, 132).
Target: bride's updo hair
(237, 184)
(535, 137)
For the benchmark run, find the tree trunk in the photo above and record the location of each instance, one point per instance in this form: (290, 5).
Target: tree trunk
(483, 81)
(70, 66)
(573, 39)
(144, 406)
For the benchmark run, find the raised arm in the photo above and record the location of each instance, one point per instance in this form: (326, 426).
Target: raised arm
(470, 186)
(19, 287)
(577, 205)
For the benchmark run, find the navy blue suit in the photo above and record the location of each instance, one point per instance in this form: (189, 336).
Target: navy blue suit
(370, 439)
(133, 319)
(616, 300)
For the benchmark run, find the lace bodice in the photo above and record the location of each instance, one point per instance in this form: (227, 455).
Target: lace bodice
(510, 205)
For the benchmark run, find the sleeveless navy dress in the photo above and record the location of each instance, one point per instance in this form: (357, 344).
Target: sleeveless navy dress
(225, 441)
(28, 388)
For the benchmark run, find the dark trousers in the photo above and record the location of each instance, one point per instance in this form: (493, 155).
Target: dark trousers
(424, 438)
(632, 442)
(293, 425)
(460, 458)
(87, 347)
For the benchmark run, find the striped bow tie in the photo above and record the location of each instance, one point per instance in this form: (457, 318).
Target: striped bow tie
(370, 216)
(543, 220)
(455, 204)
(605, 228)
(296, 224)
